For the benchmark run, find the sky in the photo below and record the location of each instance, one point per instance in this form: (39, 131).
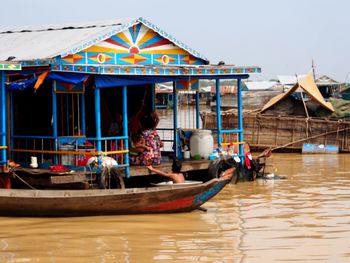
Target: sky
(282, 37)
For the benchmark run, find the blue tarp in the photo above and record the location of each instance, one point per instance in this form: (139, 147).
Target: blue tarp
(21, 84)
(103, 81)
(71, 78)
(106, 81)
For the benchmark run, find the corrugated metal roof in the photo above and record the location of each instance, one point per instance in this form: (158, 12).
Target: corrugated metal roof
(321, 80)
(290, 80)
(326, 81)
(43, 42)
(260, 85)
(47, 41)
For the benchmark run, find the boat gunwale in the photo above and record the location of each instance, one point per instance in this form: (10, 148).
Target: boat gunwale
(48, 194)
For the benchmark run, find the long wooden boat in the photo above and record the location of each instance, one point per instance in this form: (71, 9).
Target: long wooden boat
(158, 199)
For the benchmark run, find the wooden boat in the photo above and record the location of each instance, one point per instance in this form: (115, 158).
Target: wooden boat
(160, 199)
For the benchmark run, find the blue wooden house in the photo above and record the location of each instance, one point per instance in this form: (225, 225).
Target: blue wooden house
(60, 86)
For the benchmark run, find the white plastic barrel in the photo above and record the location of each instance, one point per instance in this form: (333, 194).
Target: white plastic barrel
(201, 143)
(67, 159)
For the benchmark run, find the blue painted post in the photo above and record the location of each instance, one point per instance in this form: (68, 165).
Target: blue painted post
(125, 129)
(83, 114)
(54, 121)
(175, 119)
(197, 109)
(12, 125)
(3, 157)
(240, 116)
(98, 119)
(218, 115)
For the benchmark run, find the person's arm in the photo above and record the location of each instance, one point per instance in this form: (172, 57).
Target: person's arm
(143, 147)
(136, 149)
(154, 170)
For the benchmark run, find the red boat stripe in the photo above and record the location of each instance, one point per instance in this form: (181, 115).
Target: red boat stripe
(168, 206)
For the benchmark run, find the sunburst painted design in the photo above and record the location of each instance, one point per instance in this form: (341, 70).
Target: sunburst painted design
(189, 59)
(101, 58)
(73, 58)
(141, 40)
(134, 59)
(165, 59)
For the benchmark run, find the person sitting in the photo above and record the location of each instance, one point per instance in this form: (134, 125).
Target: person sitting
(175, 175)
(138, 150)
(152, 140)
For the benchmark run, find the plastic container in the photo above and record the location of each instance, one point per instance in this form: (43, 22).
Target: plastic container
(201, 143)
(67, 159)
(320, 148)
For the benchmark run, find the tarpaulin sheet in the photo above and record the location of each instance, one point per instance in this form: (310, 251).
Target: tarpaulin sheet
(21, 84)
(107, 81)
(307, 84)
(102, 81)
(71, 78)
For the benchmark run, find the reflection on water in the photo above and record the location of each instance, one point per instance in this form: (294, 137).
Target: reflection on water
(305, 218)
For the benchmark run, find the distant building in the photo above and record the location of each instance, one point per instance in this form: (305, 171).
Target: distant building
(327, 86)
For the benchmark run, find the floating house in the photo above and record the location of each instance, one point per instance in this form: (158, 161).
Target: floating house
(62, 85)
(285, 123)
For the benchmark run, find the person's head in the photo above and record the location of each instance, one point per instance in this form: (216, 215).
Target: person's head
(177, 165)
(148, 122)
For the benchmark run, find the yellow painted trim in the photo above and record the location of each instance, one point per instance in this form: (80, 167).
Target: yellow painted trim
(231, 143)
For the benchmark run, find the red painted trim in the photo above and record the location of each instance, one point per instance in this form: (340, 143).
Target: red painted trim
(169, 206)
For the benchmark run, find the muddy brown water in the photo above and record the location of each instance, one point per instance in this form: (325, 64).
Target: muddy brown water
(304, 218)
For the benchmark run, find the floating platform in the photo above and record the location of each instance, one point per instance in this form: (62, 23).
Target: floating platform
(284, 132)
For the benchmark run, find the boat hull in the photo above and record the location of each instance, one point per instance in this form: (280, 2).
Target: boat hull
(53, 203)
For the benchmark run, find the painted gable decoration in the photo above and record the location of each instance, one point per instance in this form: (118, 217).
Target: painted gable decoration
(137, 45)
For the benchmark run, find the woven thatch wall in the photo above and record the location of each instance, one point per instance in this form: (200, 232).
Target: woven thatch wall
(288, 132)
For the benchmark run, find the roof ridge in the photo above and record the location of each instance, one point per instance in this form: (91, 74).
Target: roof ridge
(62, 26)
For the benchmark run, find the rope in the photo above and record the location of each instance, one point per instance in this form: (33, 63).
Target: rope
(23, 181)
